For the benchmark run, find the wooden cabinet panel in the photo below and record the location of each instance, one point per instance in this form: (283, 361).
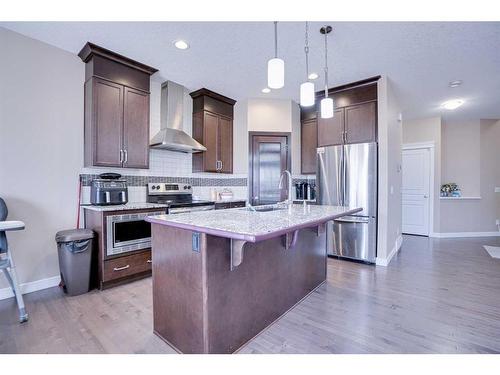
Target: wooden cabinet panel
(226, 144)
(136, 129)
(330, 131)
(361, 122)
(116, 109)
(127, 265)
(309, 143)
(108, 123)
(211, 141)
(213, 128)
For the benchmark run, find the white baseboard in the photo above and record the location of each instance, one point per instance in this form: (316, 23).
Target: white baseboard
(464, 234)
(32, 286)
(385, 261)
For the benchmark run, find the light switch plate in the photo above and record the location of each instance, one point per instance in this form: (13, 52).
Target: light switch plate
(497, 189)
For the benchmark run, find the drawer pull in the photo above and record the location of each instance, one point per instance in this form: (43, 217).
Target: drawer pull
(121, 268)
(149, 261)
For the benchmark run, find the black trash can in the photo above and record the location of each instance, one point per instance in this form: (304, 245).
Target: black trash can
(75, 254)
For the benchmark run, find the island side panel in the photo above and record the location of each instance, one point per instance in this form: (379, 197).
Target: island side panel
(177, 289)
(270, 280)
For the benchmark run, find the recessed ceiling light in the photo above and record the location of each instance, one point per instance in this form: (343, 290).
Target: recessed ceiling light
(455, 83)
(313, 76)
(181, 44)
(266, 90)
(452, 104)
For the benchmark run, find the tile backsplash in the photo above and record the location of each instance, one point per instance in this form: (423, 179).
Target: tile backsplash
(168, 166)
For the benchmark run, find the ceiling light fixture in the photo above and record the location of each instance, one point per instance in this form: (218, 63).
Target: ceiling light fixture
(452, 104)
(275, 66)
(326, 102)
(455, 83)
(313, 76)
(307, 88)
(181, 44)
(266, 90)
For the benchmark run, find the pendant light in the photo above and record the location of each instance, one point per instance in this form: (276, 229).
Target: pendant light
(307, 88)
(326, 102)
(275, 66)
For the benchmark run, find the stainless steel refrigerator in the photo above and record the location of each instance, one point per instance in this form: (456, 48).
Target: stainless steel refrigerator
(347, 176)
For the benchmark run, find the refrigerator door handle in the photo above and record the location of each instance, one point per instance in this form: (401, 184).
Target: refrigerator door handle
(344, 176)
(359, 220)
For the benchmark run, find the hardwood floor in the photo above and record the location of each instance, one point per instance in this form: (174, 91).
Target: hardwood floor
(436, 296)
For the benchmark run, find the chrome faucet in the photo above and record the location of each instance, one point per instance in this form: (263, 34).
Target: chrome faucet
(289, 200)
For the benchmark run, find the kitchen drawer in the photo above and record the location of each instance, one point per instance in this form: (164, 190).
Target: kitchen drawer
(222, 205)
(127, 265)
(238, 204)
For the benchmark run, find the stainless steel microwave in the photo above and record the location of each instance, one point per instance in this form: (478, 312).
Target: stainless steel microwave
(128, 232)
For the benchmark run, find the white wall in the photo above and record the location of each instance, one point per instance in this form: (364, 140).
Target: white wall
(389, 194)
(269, 115)
(477, 215)
(41, 147)
(466, 152)
(461, 155)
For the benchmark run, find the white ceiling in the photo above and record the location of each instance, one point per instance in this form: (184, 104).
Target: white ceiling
(230, 58)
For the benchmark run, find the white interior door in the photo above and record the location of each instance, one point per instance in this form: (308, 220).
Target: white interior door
(416, 191)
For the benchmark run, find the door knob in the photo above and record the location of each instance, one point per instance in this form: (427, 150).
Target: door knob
(426, 196)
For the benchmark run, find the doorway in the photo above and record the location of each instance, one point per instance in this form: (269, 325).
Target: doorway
(417, 188)
(269, 156)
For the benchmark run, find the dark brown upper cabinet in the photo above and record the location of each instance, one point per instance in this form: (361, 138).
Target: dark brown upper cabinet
(354, 120)
(309, 143)
(116, 109)
(213, 127)
(361, 123)
(331, 130)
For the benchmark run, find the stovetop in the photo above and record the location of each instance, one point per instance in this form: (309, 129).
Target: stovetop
(174, 195)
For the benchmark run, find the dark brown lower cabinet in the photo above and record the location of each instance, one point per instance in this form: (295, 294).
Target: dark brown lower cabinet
(309, 143)
(232, 204)
(109, 271)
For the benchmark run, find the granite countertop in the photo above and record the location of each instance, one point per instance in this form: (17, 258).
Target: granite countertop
(243, 224)
(125, 207)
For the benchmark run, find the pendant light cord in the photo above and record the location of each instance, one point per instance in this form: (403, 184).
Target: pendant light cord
(326, 64)
(306, 50)
(275, 39)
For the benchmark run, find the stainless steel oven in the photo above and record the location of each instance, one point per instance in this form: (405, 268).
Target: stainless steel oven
(128, 232)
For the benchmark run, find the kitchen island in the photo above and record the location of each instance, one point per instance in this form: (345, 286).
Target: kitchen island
(221, 277)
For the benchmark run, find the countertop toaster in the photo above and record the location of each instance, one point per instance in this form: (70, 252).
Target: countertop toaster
(106, 191)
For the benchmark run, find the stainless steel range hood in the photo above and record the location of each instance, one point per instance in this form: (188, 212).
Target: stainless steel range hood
(171, 136)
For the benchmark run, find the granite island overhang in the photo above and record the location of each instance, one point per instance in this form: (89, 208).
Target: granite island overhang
(221, 277)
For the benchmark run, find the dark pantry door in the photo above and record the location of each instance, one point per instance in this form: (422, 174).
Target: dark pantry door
(269, 158)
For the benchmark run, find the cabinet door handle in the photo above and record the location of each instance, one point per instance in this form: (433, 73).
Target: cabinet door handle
(149, 261)
(121, 156)
(221, 165)
(126, 156)
(121, 268)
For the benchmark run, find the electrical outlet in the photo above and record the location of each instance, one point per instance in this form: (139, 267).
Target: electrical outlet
(497, 222)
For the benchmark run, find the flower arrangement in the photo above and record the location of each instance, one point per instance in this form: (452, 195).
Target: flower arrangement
(450, 189)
